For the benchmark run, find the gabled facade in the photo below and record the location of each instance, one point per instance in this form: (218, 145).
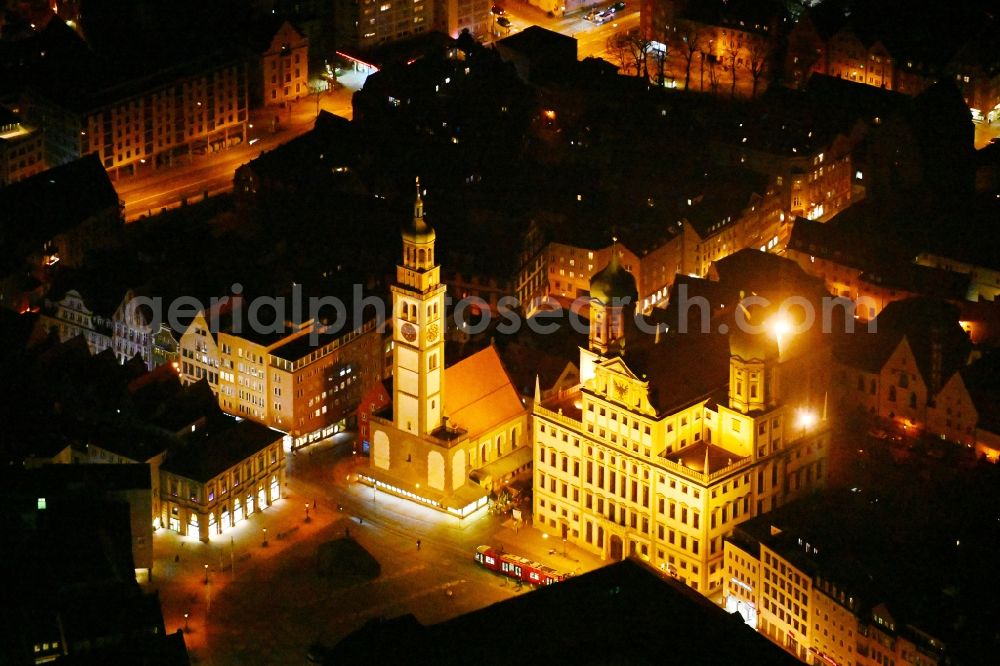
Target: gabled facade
(71, 317)
(199, 354)
(285, 66)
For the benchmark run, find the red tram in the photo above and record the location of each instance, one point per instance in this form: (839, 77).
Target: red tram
(517, 567)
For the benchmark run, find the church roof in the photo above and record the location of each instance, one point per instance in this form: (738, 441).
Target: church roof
(478, 394)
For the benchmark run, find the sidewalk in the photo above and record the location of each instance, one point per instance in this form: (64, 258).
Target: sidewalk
(179, 568)
(529, 542)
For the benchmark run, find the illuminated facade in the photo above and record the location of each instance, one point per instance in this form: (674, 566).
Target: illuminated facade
(711, 227)
(22, 150)
(303, 380)
(199, 354)
(454, 16)
(71, 317)
(285, 66)
(146, 124)
(775, 581)
(910, 375)
(655, 457)
(364, 24)
(453, 434)
(211, 485)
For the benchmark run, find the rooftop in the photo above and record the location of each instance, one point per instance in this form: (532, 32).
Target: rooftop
(622, 613)
(42, 206)
(211, 450)
(478, 393)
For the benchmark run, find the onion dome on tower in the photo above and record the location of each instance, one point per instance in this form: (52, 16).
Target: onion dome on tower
(614, 283)
(612, 293)
(417, 230)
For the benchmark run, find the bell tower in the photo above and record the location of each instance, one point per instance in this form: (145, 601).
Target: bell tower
(612, 295)
(418, 329)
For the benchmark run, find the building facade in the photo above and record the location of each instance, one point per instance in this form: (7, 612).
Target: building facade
(779, 586)
(627, 464)
(220, 476)
(71, 317)
(145, 124)
(453, 434)
(22, 150)
(303, 380)
(285, 66)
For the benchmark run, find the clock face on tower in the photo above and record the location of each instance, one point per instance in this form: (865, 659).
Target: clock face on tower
(432, 332)
(409, 332)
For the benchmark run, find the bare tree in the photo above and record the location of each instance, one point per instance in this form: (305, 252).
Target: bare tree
(638, 50)
(618, 48)
(689, 42)
(713, 72)
(758, 55)
(732, 57)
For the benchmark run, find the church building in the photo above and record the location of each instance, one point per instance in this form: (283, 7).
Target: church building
(451, 435)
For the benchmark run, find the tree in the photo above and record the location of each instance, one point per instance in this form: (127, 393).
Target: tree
(713, 72)
(731, 57)
(758, 55)
(689, 41)
(638, 50)
(618, 48)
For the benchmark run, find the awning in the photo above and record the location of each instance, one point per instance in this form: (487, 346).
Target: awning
(503, 466)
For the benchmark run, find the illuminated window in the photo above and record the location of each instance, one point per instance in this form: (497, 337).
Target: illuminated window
(41, 503)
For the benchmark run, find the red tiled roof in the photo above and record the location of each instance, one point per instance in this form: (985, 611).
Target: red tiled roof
(478, 394)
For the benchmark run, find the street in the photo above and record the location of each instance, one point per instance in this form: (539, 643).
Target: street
(274, 605)
(591, 38)
(212, 173)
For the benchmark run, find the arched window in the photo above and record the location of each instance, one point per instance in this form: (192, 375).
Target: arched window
(421, 254)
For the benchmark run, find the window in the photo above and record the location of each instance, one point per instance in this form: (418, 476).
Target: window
(41, 504)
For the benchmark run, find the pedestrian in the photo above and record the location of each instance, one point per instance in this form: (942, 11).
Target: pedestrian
(418, 544)
(361, 521)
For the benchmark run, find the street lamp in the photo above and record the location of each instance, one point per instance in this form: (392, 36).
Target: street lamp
(206, 574)
(264, 545)
(806, 418)
(186, 628)
(307, 512)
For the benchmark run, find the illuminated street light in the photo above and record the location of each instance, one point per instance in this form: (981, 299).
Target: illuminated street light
(206, 574)
(264, 544)
(186, 628)
(806, 418)
(307, 512)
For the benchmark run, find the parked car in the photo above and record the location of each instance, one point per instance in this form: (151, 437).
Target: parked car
(503, 22)
(498, 10)
(617, 7)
